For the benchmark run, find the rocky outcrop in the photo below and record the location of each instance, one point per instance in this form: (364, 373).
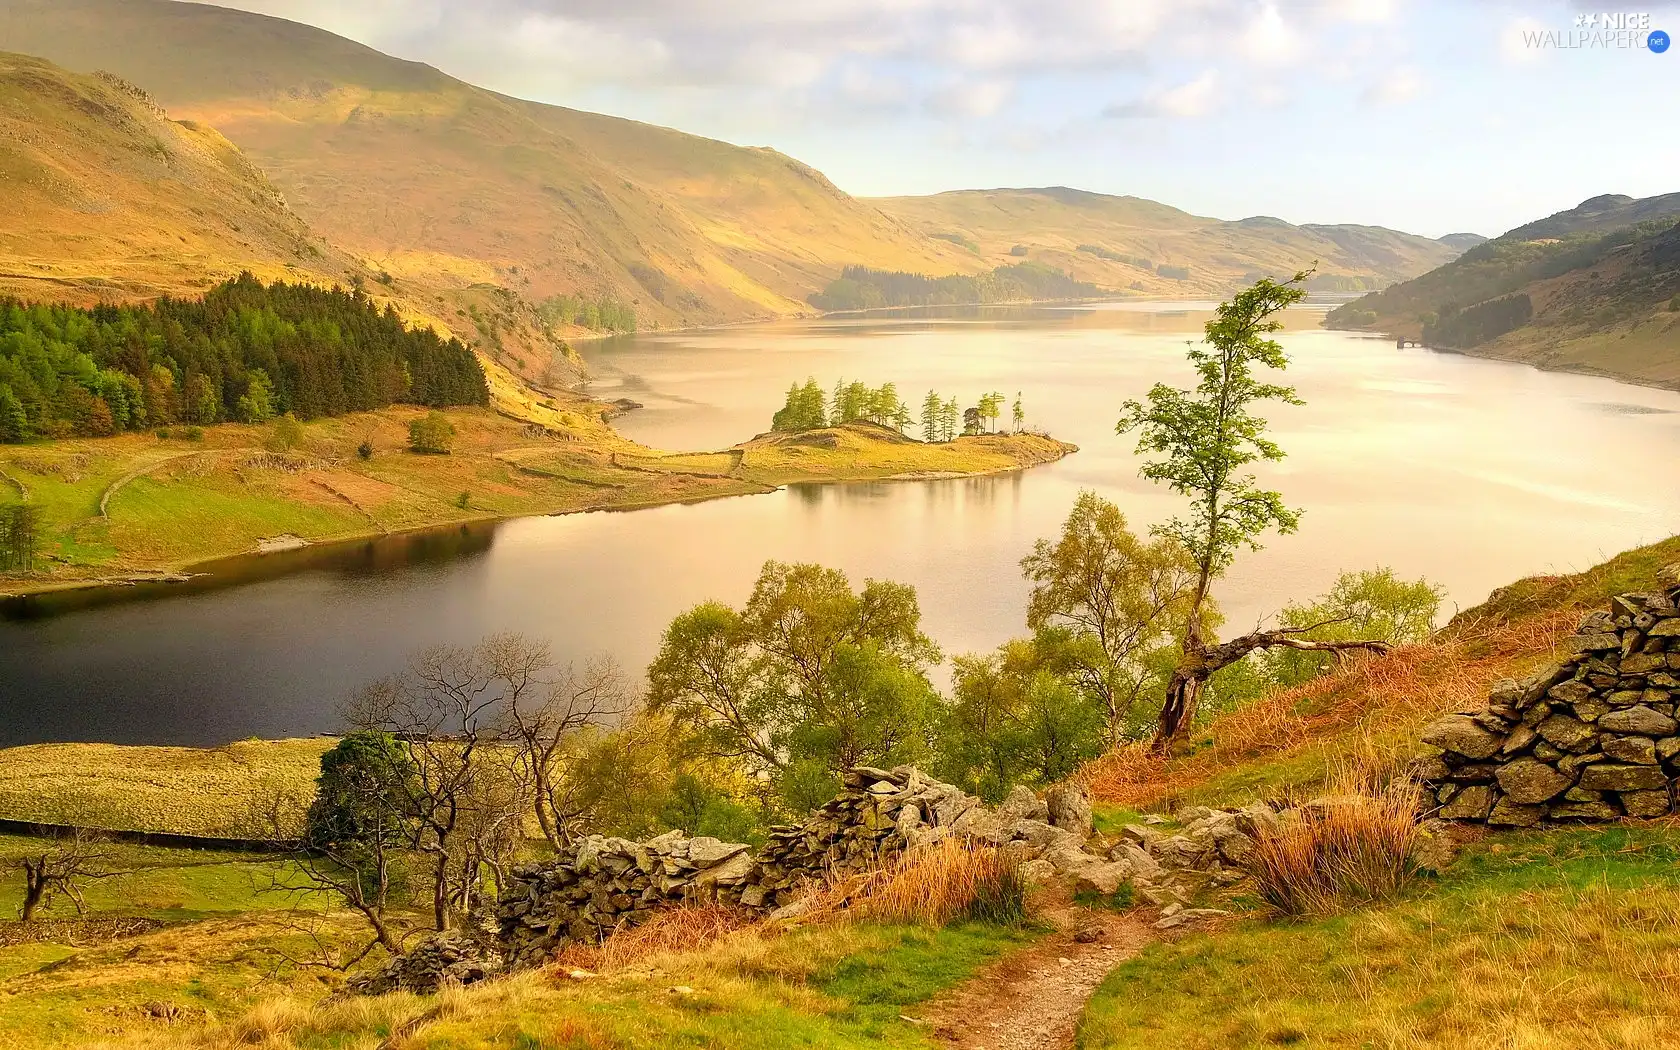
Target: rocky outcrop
(1592, 738)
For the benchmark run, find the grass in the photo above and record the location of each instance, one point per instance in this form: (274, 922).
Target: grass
(837, 986)
(1565, 938)
(1353, 849)
(124, 507)
(939, 884)
(179, 790)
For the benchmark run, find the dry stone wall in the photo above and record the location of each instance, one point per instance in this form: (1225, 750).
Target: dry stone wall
(1593, 738)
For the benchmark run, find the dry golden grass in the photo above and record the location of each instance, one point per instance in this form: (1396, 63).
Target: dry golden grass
(1352, 847)
(1373, 705)
(179, 790)
(675, 932)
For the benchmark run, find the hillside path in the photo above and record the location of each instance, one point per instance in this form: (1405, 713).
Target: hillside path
(1032, 1000)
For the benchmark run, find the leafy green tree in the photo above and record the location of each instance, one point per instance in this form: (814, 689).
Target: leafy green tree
(809, 674)
(431, 433)
(360, 821)
(204, 401)
(1015, 718)
(1204, 440)
(804, 409)
(1374, 604)
(14, 422)
(1120, 599)
(1020, 414)
(20, 537)
(256, 405)
(948, 420)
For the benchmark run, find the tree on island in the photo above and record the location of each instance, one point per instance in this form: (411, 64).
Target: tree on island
(948, 420)
(933, 414)
(1020, 414)
(1206, 437)
(804, 409)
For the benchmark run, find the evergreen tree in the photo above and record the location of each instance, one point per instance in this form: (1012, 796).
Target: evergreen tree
(949, 418)
(1020, 413)
(14, 424)
(932, 411)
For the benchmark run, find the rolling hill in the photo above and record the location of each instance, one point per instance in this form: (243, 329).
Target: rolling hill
(104, 197)
(1595, 288)
(445, 186)
(1141, 245)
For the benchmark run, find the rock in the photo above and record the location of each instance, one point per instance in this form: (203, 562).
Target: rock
(704, 852)
(1036, 871)
(1527, 781)
(1472, 803)
(1141, 863)
(1606, 777)
(1070, 807)
(1461, 735)
(1089, 934)
(1639, 750)
(1639, 719)
(1435, 849)
(1510, 814)
(452, 957)
(1103, 879)
(1645, 803)
(1582, 811)
(1022, 804)
(1570, 734)
(1668, 747)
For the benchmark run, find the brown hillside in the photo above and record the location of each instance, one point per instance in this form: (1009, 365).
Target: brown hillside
(103, 197)
(445, 185)
(1140, 236)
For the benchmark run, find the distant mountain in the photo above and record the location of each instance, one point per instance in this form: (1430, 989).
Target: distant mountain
(1595, 288)
(105, 197)
(1462, 242)
(445, 186)
(1141, 245)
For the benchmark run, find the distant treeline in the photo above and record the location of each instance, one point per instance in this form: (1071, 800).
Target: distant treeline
(1113, 256)
(1475, 325)
(860, 288)
(246, 351)
(601, 314)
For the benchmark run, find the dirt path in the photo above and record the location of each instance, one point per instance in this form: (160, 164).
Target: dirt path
(1032, 1000)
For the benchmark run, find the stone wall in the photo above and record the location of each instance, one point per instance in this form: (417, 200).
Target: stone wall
(1592, 738)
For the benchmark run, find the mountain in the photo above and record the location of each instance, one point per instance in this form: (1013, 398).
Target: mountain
(1137, 244)
(1595, 288)
(1462, 242)
(106, 197)
(445, 186)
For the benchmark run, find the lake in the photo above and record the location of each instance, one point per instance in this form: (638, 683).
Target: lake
(1469, 472)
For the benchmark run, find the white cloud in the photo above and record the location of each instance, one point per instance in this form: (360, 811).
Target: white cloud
(1398, 86)
(1195, 98)
(980, 98)
(1270, 40)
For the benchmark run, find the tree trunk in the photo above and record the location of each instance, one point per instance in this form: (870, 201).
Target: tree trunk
(1184, 690)
(440, 892)
(35, 887)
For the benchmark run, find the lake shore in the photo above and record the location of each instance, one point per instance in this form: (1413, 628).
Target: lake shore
(137, 509)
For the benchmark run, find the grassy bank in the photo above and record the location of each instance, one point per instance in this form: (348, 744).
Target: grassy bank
(211, 792)
(1563, 938)
(143, 505)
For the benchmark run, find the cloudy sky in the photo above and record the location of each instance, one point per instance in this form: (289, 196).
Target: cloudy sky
(1428, 115)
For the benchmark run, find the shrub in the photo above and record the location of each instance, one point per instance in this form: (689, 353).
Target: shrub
(464, 500)
(365, 449)
(938, 884)
(286, 434)
(1345, 850)
(432, 433)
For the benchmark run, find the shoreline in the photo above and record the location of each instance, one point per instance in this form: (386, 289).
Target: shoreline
(1574, 370)
(197, 568)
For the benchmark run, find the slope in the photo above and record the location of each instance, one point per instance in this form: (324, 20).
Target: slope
(1130, 242)
(103, 197)
(1595, 288)
(444, 186)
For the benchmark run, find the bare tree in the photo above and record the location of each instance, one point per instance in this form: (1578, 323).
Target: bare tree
(59, 866)
(450, 711)
(549, 733)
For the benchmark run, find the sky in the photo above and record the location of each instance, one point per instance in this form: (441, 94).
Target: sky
(1433, 116)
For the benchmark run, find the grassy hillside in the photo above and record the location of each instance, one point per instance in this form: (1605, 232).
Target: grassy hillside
(107, 198)
(1595, 289)
(445, 186)
(1141, 245)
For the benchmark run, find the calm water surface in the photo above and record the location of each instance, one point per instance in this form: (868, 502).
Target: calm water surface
(1469, 472)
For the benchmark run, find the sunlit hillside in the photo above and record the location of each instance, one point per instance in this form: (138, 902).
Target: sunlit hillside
(1594, 288)
(445, 185)
(1141, 245)
(104, 197)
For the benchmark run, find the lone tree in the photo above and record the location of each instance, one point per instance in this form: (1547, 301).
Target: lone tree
(58, 866)
(1204, 438)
